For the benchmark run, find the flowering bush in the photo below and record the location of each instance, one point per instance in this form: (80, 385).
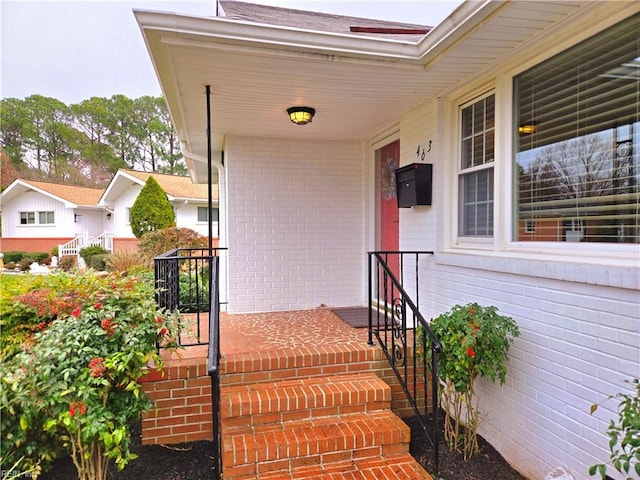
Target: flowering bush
(624, 435)
(475, 342)
(73, 386)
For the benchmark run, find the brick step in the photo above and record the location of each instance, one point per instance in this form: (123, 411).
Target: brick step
(400, 466)
(283, 447)
(298, 399)
(303, 362)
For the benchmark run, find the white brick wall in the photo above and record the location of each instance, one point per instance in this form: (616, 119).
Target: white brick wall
(578, 344)
(579, 319)
(296, 224)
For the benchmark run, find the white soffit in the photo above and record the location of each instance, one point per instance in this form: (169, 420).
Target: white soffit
(357, 85)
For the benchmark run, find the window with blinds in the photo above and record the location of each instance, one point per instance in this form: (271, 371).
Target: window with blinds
(577, 132)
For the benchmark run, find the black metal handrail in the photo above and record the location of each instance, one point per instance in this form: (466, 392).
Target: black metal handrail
(188, 280)
(182, 284)
(406, 352)
(213, 364)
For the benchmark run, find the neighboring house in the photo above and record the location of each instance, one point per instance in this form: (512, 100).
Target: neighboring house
(529, 114)
(38, 216)
(189, 202)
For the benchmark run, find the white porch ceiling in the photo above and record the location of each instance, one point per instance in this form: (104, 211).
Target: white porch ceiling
(357, 86)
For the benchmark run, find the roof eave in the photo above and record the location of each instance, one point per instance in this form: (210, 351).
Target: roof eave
(217, 30)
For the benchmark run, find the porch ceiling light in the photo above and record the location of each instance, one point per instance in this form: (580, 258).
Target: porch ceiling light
(301, 115)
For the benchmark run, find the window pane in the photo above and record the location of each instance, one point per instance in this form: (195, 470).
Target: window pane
(490, 111)
(467, 128)
(478, 150)
(577, 161)
(45, 218)
(27, 218)
(466, 152)
(476, 190)
(202, 214)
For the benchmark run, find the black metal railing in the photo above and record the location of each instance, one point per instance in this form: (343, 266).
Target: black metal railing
(182, 284)
(188, 281)
(213, 364)
(404, 335)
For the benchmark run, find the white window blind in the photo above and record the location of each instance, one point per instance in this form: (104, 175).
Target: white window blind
(578, 142)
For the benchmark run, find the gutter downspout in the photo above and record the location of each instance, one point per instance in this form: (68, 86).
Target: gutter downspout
(222, 213)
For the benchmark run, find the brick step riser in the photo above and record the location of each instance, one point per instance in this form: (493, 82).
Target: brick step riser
(303, 399)
(390, 467)
(252, 370)
(183, 395)
(282, 447)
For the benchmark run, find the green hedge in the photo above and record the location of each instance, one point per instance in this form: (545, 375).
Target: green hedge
(16, 256)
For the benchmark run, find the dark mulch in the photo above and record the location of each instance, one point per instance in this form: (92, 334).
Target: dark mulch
(488, 464)
(194, 461)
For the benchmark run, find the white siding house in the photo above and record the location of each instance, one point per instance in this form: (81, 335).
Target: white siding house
(37, 216)
(529, 114)
(189, 202)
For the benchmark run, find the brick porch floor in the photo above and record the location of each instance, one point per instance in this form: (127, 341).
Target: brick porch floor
(303, 397)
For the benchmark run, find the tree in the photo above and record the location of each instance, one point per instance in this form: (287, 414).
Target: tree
(8, 172)
(122, 134)
(151, 211)
(86, 143)
(13, 129)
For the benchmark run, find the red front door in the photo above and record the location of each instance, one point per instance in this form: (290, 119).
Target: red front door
(388, 227)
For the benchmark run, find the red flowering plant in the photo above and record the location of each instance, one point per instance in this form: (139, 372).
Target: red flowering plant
(74, 387)
(475, 343)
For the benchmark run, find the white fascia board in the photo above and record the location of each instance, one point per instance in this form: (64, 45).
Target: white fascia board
(104, 199)
(211, 32)
(468, 16)
(21, 186)
(216, 30)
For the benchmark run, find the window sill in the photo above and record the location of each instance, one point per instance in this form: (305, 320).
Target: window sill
(618, 268)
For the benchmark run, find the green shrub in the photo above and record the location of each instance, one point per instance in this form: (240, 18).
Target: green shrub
(73, 385)
(624, 435)
(194, 292)
(54, 252)
(17, 257)
(87, 253)
(40, 257)
(151, 210)
(14, 256)
(475, 343)
(99, 262)
(153, 244)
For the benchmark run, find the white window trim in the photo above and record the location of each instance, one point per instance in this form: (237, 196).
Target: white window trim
(36, 222)
(471, 242)
(615, 265)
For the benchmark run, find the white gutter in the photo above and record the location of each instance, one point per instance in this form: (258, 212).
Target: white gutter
(220, 29)
(228, 34)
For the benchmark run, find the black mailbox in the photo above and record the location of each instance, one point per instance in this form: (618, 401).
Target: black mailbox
(413, 184)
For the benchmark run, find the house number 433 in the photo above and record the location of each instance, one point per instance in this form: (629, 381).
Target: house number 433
(422, 150)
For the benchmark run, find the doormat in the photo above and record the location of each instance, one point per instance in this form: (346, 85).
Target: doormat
(356, 317)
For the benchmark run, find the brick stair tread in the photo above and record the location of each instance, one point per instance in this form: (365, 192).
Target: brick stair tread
(358, 434)
(392, 467)
(348, 393)
(299, 358)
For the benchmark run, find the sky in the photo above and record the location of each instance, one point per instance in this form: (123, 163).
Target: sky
(74, 50)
